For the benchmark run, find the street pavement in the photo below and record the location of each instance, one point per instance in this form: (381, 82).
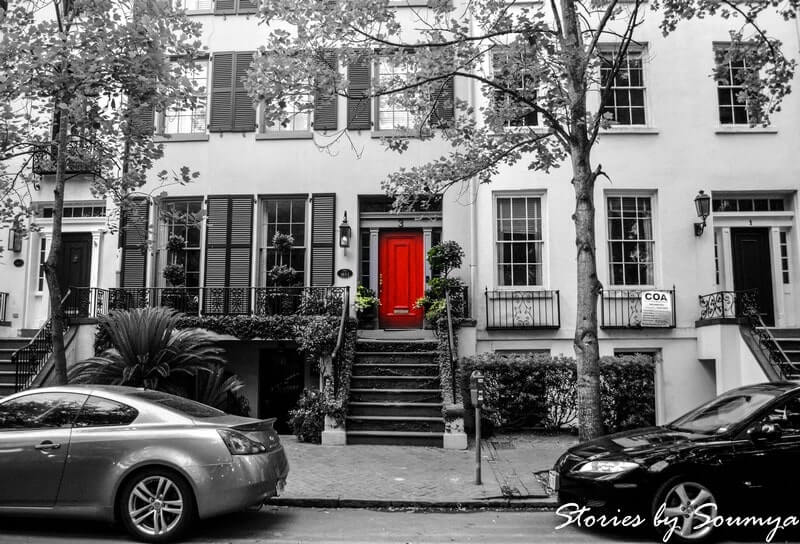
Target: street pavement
(287, 525)
(359, 476)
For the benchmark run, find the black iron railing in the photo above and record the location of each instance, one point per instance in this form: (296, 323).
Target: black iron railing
(622, 309)
(92, 302)
(30, 359)
(3, 306)
(728, 304)
(523, 309)
(81, 158)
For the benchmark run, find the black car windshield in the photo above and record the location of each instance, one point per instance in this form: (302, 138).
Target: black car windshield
(724, 412)
(179, 404)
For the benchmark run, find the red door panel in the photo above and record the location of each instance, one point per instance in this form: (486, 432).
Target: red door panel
(401, 279)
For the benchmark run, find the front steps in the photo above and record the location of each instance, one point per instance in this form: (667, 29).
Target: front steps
(395, 395)
(7, 369)
(789, 340)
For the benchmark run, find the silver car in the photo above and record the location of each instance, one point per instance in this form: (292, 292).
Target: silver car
(152, 461)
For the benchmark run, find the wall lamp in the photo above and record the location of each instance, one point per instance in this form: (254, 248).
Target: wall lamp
(702, 203)
(344, 233)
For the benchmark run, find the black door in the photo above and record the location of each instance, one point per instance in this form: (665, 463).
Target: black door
(73, 271)
(280, 384)
(752, 267)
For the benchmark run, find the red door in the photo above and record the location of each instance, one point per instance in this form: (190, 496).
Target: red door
(401, 279)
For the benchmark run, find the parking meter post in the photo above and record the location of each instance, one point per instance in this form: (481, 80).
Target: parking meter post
(477, 445)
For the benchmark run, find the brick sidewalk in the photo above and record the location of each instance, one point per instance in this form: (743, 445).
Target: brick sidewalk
(362, 475)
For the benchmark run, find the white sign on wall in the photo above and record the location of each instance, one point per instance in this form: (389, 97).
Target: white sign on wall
(656, 309)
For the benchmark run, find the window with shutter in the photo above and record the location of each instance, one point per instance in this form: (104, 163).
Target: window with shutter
(233, 7)
(133, 238)
(228, 254)
(325, 107)
(231, 107)
(323, 236)
(444, 103)
(246, 6)
(358, 108)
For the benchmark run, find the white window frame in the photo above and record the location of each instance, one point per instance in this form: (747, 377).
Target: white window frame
(265, 242)
(656, 256)
(189, 113)
(641, 51)
(723, 46)
(545, 251)
(377, 127)
(279, 132)
(507, 125)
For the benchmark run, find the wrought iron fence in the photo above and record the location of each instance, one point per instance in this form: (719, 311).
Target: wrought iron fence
(523, 309)
(728, 304)
(81, 158)
(95, 302)
(622, 309)
(3, 306)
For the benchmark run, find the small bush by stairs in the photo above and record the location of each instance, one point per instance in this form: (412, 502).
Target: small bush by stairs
(395, 394)
(7, 369)
(789, 340)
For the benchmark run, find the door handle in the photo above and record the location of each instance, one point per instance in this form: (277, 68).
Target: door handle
(47, 445)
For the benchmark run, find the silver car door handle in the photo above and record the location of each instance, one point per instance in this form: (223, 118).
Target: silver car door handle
(47, 445)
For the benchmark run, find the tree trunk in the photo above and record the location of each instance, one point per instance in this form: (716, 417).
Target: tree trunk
(587, 351)
(58, 323)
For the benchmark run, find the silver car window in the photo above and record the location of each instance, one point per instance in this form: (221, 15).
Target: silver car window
(40, 411)
(100, 412)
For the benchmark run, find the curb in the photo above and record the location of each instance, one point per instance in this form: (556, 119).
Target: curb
(545, 504)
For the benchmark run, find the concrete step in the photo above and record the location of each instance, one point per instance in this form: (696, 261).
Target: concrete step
(784, 333)
(410, 409)
(396, 438)
(396, 423)
(7, 376)
(792, 354)
(6, 389)
(394, 382)
(13, 343)
(396, 335)
(395, 395)
(395, 369)
(395, 357)
(412, 346)
(789, 343)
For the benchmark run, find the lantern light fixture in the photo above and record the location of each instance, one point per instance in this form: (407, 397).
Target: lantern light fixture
(702, 204)
(344, 233)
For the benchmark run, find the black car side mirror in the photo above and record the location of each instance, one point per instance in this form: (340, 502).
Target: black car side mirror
(765, 432)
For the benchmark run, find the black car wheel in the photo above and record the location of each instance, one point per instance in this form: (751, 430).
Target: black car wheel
(156, 505)
(685, 508)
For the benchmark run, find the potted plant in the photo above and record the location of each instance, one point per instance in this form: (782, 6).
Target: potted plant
(366, 307)
(443, 258)
(175, 274)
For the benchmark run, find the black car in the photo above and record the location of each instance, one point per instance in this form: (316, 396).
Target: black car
(733, 456)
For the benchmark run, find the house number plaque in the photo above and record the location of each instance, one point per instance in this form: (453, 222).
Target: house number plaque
(344, 273)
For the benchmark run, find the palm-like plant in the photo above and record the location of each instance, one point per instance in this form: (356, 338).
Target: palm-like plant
(149, 351)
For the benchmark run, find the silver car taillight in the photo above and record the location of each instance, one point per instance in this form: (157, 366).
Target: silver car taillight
(239, 444)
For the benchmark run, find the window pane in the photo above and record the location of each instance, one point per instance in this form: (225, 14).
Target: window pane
(98, 412)
(41, 410)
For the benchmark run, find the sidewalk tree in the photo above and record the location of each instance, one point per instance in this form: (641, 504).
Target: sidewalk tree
(546, 59)
(80, 82)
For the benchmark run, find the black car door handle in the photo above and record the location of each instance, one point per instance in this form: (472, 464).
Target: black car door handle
(47, 445)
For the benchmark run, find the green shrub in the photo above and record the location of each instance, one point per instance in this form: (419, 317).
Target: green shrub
(538, 391)
(308, 419)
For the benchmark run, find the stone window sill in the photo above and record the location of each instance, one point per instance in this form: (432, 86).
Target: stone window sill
(162, 138)
(285, 135)
(746, 130)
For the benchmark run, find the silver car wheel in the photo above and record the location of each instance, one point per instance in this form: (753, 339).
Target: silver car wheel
(155, 505)
(682, 503)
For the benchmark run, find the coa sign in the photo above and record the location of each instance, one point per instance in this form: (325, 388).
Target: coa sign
(656, 309)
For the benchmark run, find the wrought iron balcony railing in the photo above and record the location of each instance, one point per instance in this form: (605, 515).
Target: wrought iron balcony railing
(91, 302)
(523, 309)
(81, 158)
(728, 304)
(622, 309)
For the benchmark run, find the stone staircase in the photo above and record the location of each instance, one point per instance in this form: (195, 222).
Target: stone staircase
(789, 340)
(7, 369)
(395, 395)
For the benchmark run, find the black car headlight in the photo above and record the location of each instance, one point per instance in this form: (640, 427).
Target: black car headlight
(606, 467)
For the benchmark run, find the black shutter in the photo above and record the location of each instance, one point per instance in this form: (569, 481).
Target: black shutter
(133, 239)
(224, 7)
(325, 108)
(244, 112)
(323, 236)
(229, 224)
(221, 93)
(444, 110)
(247, 6)
(358, 103)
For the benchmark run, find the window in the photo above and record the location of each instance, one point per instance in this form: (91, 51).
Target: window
(365, 269)
(40, 411)
(77, 211)
(181, 220)
(787, 416)
(747, 205)
(180, 405)
(625, 105)
(513, 72)
(716, 258)
(786, 271)
(519, 241)
(630, 240)
(732, 93)
(98, 412)
(194, 5)
(392, 113)
(42, 259)
(190, 120)
(296, 120)
(285, 216)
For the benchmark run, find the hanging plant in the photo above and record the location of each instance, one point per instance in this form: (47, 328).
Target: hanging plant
(176, 242)
(282, 243)
(282, 276)
(175, 274)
